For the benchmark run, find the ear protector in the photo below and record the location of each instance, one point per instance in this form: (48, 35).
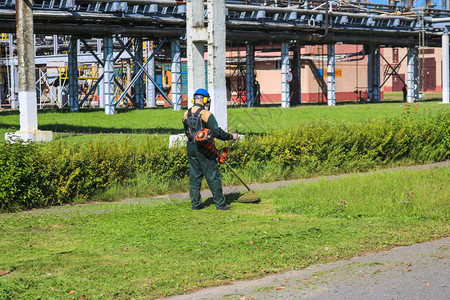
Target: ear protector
(205, 100)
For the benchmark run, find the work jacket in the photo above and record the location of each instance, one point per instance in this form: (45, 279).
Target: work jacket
(208, 121)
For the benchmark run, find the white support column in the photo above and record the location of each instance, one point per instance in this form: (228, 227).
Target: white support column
(445, 68)
(108, 80)
(250, 74)
(412, 80)
(12, 75)
(55, 44)
(216, 61)
(331, 87)
(99, 45)
(27, 77)
(285, 101)
(150, 87)
(78, 43)
(26, 67)
(176, 74)
(197, 35)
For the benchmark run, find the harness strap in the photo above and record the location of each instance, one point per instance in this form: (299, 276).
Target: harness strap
(189, 119)
(196, 114)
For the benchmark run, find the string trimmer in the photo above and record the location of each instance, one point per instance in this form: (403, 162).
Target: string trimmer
(248, 197)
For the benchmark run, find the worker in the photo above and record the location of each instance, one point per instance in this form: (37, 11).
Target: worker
(202, 160)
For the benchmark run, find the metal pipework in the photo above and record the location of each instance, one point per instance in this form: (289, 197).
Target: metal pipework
(326, 21)
(135, 2)
(271, 9)
(310, 39)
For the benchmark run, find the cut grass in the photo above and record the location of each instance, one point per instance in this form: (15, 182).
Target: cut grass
(164, 121)
(161, 247)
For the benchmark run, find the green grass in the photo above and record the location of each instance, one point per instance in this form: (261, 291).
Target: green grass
(160, 247)
(164, 121)
(398, 97)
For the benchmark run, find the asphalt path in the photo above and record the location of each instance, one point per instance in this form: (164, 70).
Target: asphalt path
(420, 271)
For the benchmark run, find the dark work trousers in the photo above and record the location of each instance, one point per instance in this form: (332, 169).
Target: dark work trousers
(203, 163)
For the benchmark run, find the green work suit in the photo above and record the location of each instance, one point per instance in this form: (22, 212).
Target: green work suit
(202, 162)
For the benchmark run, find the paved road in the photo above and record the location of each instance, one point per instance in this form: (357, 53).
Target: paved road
(420, 271)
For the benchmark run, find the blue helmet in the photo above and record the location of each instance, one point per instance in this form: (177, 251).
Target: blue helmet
(202, 92)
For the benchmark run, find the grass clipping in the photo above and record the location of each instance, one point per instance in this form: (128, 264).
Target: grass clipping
(249, 197)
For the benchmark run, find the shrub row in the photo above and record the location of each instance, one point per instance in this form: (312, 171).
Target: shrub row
(333, 146)
(38, 175)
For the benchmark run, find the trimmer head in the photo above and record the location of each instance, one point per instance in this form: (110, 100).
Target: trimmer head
(249, 197)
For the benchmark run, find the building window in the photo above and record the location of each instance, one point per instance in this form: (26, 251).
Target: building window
(277, 65)
(395, 56)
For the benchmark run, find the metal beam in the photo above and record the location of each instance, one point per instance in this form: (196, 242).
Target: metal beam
(139, 85)
(142, 69)
(331, 86)
(373, 74)
(55, 44)
(394, 70)
(376, 73)
(72, 73)
(250, 74)
(285, 93)
(101, 88)
(445, 68)
(176, 74)
(297, 74)
(108, 82)
(412, 75)
(150, 87)
(13, 70)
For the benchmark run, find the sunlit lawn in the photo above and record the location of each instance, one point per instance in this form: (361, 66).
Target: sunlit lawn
(161, 247)
(165, 121)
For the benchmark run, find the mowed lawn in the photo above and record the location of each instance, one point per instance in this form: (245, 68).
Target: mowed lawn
(146, 248)
(165, 121)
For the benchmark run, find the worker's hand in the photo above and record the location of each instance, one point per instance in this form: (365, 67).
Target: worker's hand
(235, 135)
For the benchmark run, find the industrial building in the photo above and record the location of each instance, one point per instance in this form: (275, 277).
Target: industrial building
(144, 53)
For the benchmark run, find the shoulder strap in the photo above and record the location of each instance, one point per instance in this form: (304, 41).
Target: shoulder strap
(197, 113)
(194, 123)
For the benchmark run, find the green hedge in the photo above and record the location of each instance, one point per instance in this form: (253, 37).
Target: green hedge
(328, 146)
(39, 175)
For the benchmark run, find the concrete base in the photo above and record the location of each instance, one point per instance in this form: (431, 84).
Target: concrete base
(29, 136)
(177, 140)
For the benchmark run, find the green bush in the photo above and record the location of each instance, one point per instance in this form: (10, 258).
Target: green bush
(338, 146)
(56, 173)
(20, 177)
